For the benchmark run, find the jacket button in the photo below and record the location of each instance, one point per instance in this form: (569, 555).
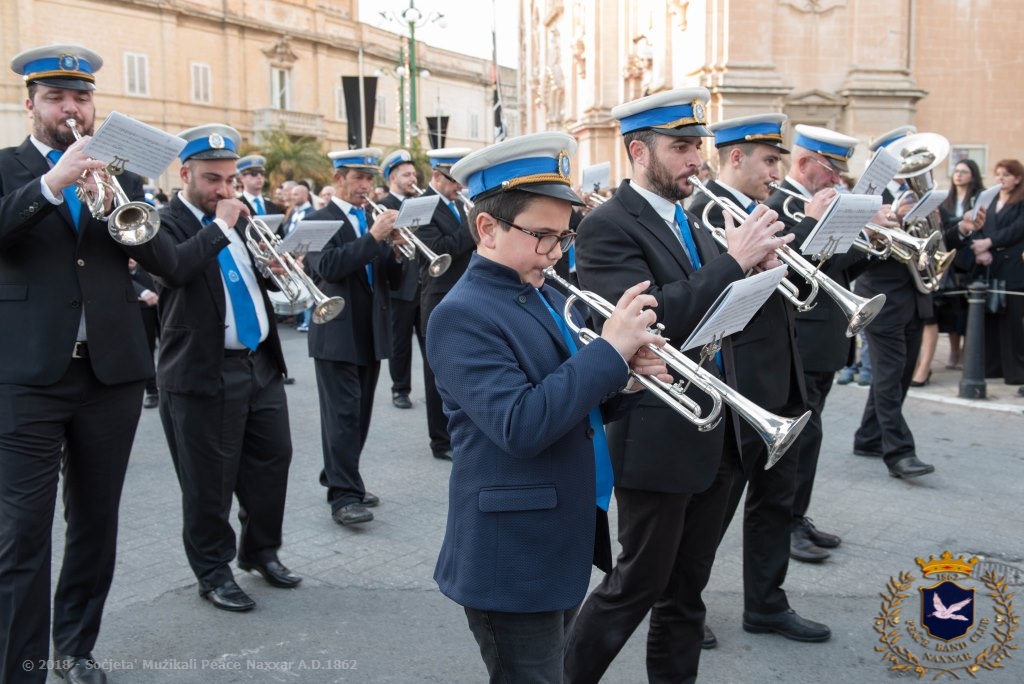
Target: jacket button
(590, 432)
(75, 304)
(522, 299)
(81, 262)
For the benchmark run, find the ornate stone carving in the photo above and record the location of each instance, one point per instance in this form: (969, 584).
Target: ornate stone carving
(678, 9)
(280, 53)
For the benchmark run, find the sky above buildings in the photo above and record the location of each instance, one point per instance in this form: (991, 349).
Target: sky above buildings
(466, 26)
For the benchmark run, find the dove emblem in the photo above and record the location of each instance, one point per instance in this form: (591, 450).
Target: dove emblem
(944, 613)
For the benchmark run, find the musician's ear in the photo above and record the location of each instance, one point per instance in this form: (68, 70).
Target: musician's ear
(486, 228)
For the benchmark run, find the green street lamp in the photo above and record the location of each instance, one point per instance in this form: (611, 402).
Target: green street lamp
(413, 19)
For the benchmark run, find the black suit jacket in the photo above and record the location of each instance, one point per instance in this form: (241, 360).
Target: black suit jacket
(767, 360)
(361, 334)
(446, 235)
(821, 331)
(408, 288)
(269, 206)
(1006, 230)
(48, 272)
(192, 305)
(619, 244)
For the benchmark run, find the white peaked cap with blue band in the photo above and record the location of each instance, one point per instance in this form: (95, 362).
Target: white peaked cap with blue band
(835, 147)
(681, 112)
(446, 156)
(394, 159)
(765, 129)
(59, 66)
(538, 163)
(363, 159)
(210, 141)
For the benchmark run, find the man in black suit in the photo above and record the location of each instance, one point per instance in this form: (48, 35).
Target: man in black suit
(447, 233)
(770, 375)
(73, 362)
(145, 290)
(221, 368)
(359, 265)
(400, 171)
(252, 171)
(671, 480)
(894, 340)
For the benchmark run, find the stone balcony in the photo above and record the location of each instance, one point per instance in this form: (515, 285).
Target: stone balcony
(294, 123)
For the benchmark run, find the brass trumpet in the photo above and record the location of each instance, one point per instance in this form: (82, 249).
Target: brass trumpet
(130, 223)
(777, 432)
(295, 284)
(438, 264)
(858, 310)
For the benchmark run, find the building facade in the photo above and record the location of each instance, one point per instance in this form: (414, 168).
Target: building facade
(258, 66)
(861, 67)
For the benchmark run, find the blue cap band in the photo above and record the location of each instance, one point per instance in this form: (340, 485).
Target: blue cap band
(198, 145)
(438, 161)
(356, 161)
(492, 177)
(64, 65)
(724, 136)
(659, 116)
(387, 169)
(250, 164)
(837, 151)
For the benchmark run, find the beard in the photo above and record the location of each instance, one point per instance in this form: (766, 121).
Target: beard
(662, 183)
(57, 134)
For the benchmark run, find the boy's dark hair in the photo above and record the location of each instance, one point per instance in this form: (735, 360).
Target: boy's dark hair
(507, 205)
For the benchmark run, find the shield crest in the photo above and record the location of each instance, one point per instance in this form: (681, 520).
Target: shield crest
(947, 610)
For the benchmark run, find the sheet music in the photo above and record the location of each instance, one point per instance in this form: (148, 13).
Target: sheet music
(416, 211)
(926, 205)
(132, 145)
(273, 221)
(596, 177)
(735, 307)
(984, 200)
(309, 236)
(842, 223)
(880, 170)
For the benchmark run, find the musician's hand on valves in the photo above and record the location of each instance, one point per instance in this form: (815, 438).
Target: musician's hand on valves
(228, 210)
(755, 240)
(884, 217)
(629, 327)
(70, 167)
(647, 363)
(383, 225)
(817, 205)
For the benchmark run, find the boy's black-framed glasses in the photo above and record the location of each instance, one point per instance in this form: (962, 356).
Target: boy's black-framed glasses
(545, 241)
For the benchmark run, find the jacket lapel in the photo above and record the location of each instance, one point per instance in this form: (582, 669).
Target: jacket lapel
(654, 224)
(37, 165)
(189, 225)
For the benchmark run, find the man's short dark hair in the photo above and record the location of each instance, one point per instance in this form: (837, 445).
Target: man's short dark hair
(645, 135)
(507, 205)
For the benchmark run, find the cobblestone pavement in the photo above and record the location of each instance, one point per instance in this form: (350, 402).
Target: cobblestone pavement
(369, 610)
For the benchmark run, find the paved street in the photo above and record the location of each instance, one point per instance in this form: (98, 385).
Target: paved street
(369, 610)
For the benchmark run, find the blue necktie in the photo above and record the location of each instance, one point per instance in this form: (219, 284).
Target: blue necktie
(70, 197)
(751, 207)
(360, 215)
(572, 258)
(691, 246)
(602, 460)
(260, 209)
(455, 210)
(246, 323)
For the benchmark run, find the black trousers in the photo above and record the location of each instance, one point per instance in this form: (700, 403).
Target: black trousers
(894, 350)
(1004, 342)
(767, 518)
(151, 323)
(808, 444)
(236, 442)
(668, 547)
(83, 430)
(405, 322)
(437, 422)
(346, 405)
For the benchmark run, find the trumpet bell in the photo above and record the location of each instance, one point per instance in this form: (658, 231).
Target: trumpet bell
(862, 312)
(439, 265)
(133, 223)
(327, 310)
(780, 434)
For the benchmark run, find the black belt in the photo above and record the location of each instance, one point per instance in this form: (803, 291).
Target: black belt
(240, 353)
(80, 350)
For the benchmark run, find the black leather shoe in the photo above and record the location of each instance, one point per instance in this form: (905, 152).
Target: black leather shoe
(228, 596)
(151, 401)
(352, 514)
(820, 539)
(78, 669)
(710, 640)
(401, 401)
(870, 453)
(370, 500)
(443, 454)
(786, 623)
(803, 549)
(274, 572)
(910, 467)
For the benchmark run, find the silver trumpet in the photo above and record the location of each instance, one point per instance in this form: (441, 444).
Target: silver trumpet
(858, 310)
(777, 432)
(467, 203)
(130, 223)
(438, 264)
(294, 283)
(418, 190)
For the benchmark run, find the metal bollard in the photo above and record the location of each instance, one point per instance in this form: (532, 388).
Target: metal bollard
(972, 381)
